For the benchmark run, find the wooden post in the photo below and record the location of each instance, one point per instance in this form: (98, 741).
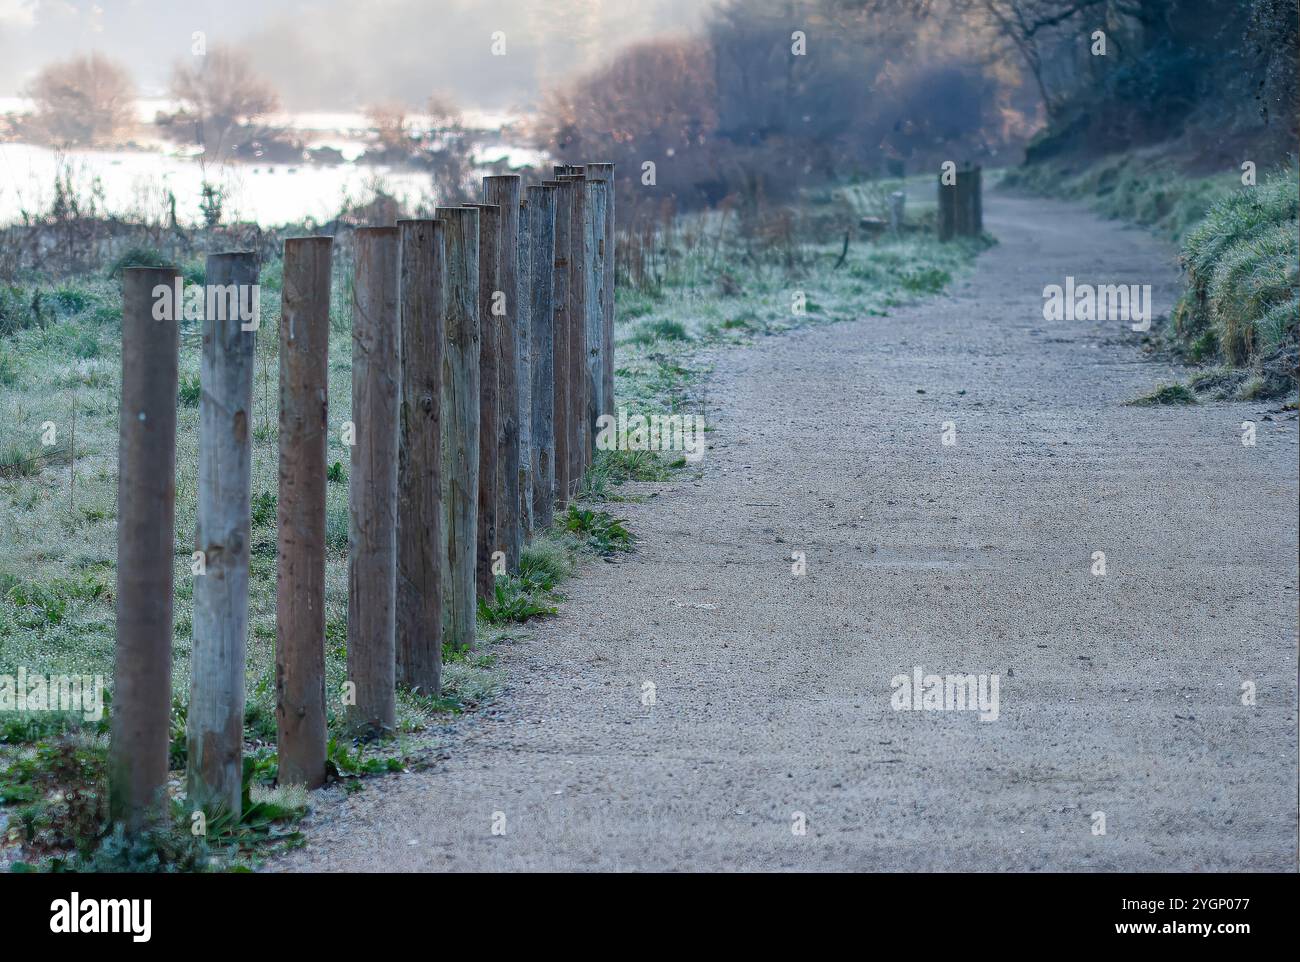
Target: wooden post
(460, 423)
(947, 209)
(579, 396)
(541, 233)
(420, 537)
(977, 202)
(146, 504)
(502, 192)
(961, 204)
(215, 718)
(593, 240)
(300, 586)
(563, 192)
(372, 484)
(897, 201)
(489, 354)
(604, 175)
(525, 368)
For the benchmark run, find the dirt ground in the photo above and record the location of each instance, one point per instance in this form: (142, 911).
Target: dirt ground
(1118, 694)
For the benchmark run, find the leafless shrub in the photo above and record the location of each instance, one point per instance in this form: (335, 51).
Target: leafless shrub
(83, 101)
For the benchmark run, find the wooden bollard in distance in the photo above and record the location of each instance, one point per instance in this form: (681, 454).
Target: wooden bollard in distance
(372, 483)
(460, 423)
(420, 512)
(215, 717)
(146, 505)
(961, 205)
(503, 193)
(947, 208)
(541, 235)
(300, 586)
(489, 354)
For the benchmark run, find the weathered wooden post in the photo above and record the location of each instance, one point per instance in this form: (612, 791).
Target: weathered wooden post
(525, 369)
(897, 200)
(947, 209)
(420, 511)
(214, 732)
(977, 202)
(460, 422)
(962, 203)
(372, 484)
(579, 396)
(489, 354)
(541, 235)
(502, 192)
(604, 175)
(300, 586)
(561, 417)
(593, 236)
(146, 505)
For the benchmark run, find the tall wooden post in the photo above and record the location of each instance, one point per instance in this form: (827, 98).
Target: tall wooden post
(593, 231)
(215, 718)
(962, 204)
(372, 485)
(489, 362)
(503, 193)
(420, 536)
(300, 586)
(947, 209)
(604, 175)
(977, 202)
(525, 369)
(146, 505)
(541, 235)
(579, 395)
(460, 423)
(897, 200)
(563, 192)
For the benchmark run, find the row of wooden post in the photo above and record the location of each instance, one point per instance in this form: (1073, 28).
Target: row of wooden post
(961, 205)
(482, 355)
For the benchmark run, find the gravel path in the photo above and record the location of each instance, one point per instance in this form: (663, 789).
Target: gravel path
(1118, 694)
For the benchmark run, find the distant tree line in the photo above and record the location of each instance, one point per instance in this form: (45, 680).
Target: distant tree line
(773, 94)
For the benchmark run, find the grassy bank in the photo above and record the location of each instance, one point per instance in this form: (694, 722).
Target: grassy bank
(709, 281)
(1239, 319)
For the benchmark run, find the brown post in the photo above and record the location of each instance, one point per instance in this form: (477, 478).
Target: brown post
(503, 193)
(372, 486)
(300, 586)
(962, 204)
(604, 175)
(215, 717)
(460, 423)
(527, 465)
(420, 537)
(579, 395)
(563, 191)
(489, 454)
(541, 231)
(947, 209)
(593, 231)
(146, 505)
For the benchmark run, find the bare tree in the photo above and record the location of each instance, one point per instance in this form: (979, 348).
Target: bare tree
(389, 122)
(447, 150)
(84, 100)
(221, 92)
